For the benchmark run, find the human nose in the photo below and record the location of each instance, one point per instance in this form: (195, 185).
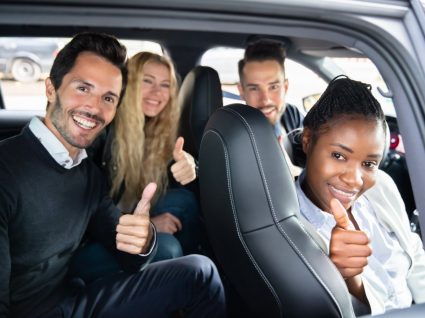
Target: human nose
(352, 176)
(264, 98)
(95, 102)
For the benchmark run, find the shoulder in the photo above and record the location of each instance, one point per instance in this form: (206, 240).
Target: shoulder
(386, 199)
(292, 117)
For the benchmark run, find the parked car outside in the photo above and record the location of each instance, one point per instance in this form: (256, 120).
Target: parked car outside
(25, 59)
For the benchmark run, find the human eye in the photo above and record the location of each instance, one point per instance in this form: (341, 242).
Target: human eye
(147, 81)
(165, 85)
(338, 156)
(83, 88)
(110, 99)
(252, 88)
(370, 164)
(274, 87)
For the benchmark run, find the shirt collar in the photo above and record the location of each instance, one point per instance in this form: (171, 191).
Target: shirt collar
(52, 144)
(318, 217)
(308, 209)
(278, 129)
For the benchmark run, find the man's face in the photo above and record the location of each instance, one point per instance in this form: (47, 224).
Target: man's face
(85, 102)
(264, 86)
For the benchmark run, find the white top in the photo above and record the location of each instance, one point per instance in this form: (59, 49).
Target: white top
(388, 265)
(55, 148)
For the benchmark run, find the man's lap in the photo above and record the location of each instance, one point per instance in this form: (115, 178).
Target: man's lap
(159, 290)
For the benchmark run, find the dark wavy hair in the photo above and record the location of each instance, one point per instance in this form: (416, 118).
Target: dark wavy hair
(263, 50)
(104, 45)
(343, 97)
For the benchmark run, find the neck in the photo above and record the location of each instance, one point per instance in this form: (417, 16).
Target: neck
(73, 151)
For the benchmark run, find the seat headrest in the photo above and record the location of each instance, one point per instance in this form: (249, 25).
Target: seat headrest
(199, 96)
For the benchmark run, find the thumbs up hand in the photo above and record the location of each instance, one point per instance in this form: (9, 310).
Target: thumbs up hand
(183, 169)
(134, 232)
(349, 248)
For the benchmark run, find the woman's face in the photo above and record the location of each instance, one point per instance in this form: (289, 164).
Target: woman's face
(342, 163)
(155, 88)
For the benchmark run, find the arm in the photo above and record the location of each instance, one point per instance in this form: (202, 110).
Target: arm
(103, 228)
(349, 250)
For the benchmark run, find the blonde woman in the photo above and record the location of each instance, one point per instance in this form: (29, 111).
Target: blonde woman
(142, 146)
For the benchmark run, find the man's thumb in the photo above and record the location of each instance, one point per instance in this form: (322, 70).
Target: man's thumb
(178, 149)
(340, 214)
(147, 195)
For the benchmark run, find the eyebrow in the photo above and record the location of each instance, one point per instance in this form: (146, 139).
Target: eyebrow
(271, 83)
(374, 156)
(149, 75)
(92, 86)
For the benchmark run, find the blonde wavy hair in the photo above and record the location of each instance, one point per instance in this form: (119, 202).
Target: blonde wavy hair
(142, 147)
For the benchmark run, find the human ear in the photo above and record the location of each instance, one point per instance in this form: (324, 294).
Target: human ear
(285, 85)
(50, 91)
(306, 139)
(241, 92)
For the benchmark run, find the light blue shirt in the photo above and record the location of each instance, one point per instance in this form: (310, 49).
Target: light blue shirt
(387, 266)
(52, 144)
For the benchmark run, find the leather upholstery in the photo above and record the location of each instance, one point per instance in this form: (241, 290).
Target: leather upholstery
(200, 95)
(252, 216)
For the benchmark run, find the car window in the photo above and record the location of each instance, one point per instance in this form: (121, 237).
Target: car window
(305, 86)
(26, 61)
(302, 81)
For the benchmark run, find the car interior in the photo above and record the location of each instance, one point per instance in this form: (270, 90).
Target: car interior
(269, 259)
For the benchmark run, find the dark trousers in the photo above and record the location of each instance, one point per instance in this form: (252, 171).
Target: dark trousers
(188, 286)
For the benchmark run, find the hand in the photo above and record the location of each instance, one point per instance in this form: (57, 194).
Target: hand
(183, 169)
(134, 232)
(166, 223)
(349, 248)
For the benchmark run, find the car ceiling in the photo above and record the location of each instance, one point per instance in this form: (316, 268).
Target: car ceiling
(185, 45)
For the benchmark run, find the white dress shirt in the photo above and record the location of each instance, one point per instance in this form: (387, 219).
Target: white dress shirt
(55, 148)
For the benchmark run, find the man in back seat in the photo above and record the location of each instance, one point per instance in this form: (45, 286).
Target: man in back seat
(263, 85)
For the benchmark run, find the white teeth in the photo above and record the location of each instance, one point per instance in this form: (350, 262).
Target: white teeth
(152, 101)
(84, 123)
(344, 193)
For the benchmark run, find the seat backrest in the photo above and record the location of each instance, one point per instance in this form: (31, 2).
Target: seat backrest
(252, 217)
(199, 96)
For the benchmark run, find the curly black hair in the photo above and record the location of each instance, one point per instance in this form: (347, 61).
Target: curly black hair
(344, 97)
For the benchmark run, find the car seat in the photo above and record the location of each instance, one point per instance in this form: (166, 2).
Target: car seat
(199, 96)
(254, 224)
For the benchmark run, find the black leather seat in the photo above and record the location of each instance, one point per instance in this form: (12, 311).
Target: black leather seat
(200, 95)
(252, 216)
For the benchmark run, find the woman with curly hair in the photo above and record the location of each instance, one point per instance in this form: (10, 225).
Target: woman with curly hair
(139, 147)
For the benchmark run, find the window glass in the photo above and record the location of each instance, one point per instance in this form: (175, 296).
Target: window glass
(363, 69)
(305, 86)
(302, 81)
(26, 61)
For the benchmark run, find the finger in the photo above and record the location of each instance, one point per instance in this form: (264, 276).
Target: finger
(128, 248)
(139, 231)
(350, 237)
(350, 271)
(143, 206)
(340, 214)
(131, 240)
(176, 222)
(178, 153)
